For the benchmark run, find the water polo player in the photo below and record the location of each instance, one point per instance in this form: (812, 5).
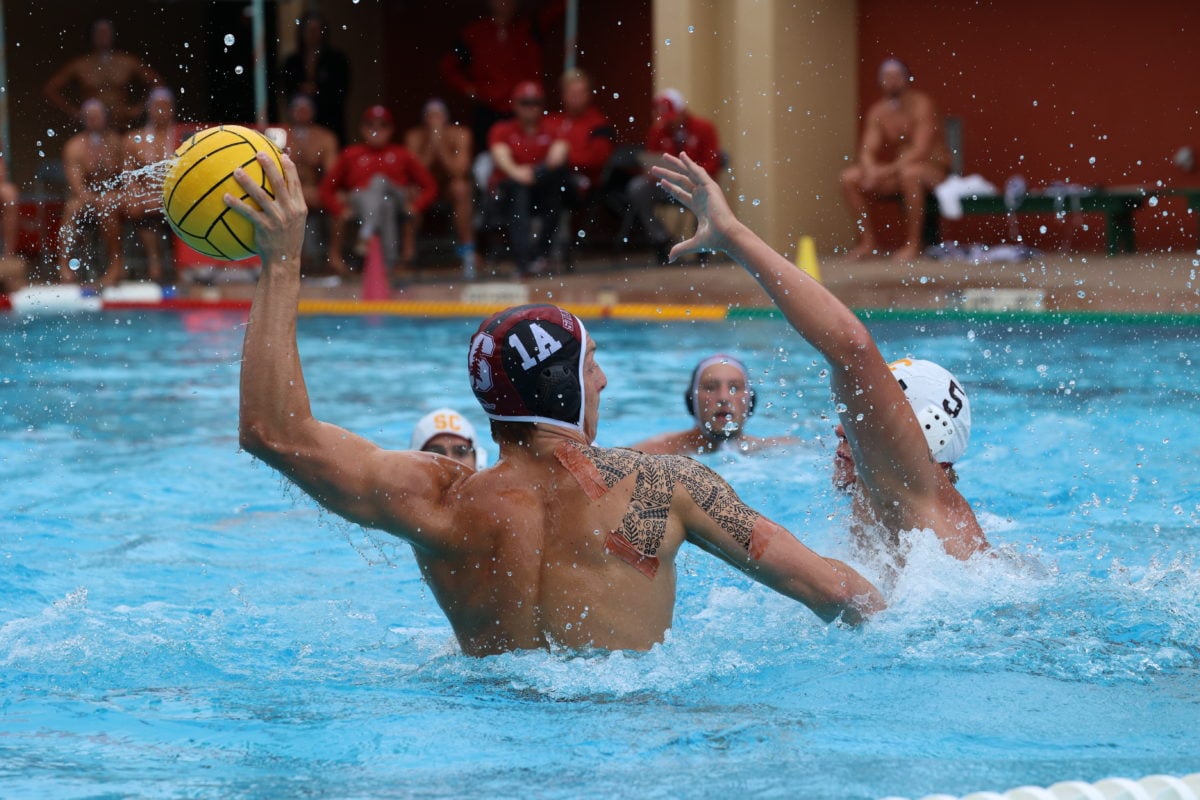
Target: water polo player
(559, 543)
(898, 484)
(721, 399)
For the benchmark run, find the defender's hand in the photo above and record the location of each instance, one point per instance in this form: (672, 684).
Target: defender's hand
(687, 182)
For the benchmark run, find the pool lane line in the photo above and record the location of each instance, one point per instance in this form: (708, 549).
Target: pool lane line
(655, 312)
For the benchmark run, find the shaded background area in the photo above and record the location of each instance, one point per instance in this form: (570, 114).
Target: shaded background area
(786, 84)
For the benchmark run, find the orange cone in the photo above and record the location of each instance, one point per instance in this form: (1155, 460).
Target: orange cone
(375, 277)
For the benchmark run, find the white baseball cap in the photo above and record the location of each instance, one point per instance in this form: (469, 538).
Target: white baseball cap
(941, 406)
(447, 421)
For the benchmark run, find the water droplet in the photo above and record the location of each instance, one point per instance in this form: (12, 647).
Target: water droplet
(581, 233)
(50, 132)
(229, 40)
(238, 70)
(1153, 201)
(691, 28)
(137, 138)
(756, 202)
(1092, 160)
(616, 95)
(73, 263)
(668, 42)
(1042, 229)
(840, 408)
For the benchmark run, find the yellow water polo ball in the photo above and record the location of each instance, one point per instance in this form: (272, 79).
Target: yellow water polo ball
(199, 178)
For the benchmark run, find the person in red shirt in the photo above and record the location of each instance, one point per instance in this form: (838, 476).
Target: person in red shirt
(375, 183)
(530, 175)
(675, 130)
(492, 56)
(588, 133)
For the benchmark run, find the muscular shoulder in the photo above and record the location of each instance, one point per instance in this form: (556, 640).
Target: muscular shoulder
(677, 443)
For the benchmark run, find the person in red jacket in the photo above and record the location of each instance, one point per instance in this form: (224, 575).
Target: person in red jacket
(675, 130)
(376, 183)
(530, 176)
(588, 133)
(493, 55)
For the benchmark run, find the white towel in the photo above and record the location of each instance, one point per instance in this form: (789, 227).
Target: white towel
(951, 191)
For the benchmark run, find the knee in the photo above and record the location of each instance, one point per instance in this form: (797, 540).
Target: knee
(851, 177)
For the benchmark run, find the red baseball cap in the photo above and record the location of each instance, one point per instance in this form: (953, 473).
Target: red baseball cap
(528, 90)
(377, 112)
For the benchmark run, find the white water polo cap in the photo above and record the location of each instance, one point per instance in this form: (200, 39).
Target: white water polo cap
(449, 421)
(940, 404)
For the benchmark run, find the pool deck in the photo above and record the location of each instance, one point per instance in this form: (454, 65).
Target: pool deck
(633, 286)
(1151, 284)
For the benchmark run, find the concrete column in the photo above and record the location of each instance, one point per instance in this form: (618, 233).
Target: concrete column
(778, 77)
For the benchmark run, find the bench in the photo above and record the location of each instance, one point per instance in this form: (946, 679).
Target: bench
(1117, 205)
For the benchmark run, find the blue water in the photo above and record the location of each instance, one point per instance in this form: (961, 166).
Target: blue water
(176, 622)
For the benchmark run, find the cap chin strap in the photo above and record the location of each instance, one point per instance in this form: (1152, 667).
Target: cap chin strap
(939, 430)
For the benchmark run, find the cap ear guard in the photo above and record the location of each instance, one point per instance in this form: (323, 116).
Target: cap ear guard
(939, 429)
(557, 385)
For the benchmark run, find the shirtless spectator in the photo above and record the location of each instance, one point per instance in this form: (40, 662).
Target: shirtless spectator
(91, 160)
(902, 152)
(314, 150)
(588, 133)
(320, 72)
(375, 183)
(444, 148)
(115, 78)
(493, 55)
(560, 544)
(530, 176)
(674, 131)
(142, 201)
(9, 212)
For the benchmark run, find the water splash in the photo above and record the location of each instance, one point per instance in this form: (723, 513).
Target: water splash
(141, 187)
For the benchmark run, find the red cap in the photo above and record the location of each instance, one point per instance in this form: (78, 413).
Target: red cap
(377, 112)
(526, 365)
(528, 90)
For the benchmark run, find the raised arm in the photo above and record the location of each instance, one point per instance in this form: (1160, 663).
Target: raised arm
(716, 520)
(888, 443)
(399, 492)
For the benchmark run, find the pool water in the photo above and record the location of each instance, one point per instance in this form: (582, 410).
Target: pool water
(175, 621)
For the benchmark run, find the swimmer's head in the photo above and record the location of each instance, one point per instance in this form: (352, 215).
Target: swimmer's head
(940, 404)
(435, 113)
(533, 363)
(941, 407)
(894, 76)
(448, 433)
(719, 397)
(302, 109)
(94, 115)
(160, 105)
(669, 104)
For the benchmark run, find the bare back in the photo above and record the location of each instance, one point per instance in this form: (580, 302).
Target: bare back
(91, 159)
(906, 128)
(314, 149)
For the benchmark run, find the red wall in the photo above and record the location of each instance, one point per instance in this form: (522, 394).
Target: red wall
(1042, 87)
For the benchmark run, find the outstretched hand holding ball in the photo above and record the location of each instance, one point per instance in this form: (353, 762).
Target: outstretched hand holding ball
(221, 194)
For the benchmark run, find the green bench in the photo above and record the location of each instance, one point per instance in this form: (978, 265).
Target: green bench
(1117, 205)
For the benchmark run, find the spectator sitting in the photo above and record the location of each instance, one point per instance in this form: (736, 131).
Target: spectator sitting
(447, 433)
(314, 149)
(901, 153)
(320, 72)
(91, 162)
(111, 76)
(530, 175)
(674, 131)
(587, 132)
(444, 149)
(9, 212)
(375, 183)
(720, 398)
(142, 203)
(492, 56)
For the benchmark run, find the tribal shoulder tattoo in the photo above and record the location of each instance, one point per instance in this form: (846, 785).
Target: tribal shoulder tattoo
(645, 523)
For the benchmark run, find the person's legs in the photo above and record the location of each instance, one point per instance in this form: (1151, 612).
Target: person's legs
(109, 222)
(519, 200)
(149, 235)
(858, 203)
(459, 191)
(644, 194)
(916, 181)
(549, 198)
(9, 217)
(68, 232)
